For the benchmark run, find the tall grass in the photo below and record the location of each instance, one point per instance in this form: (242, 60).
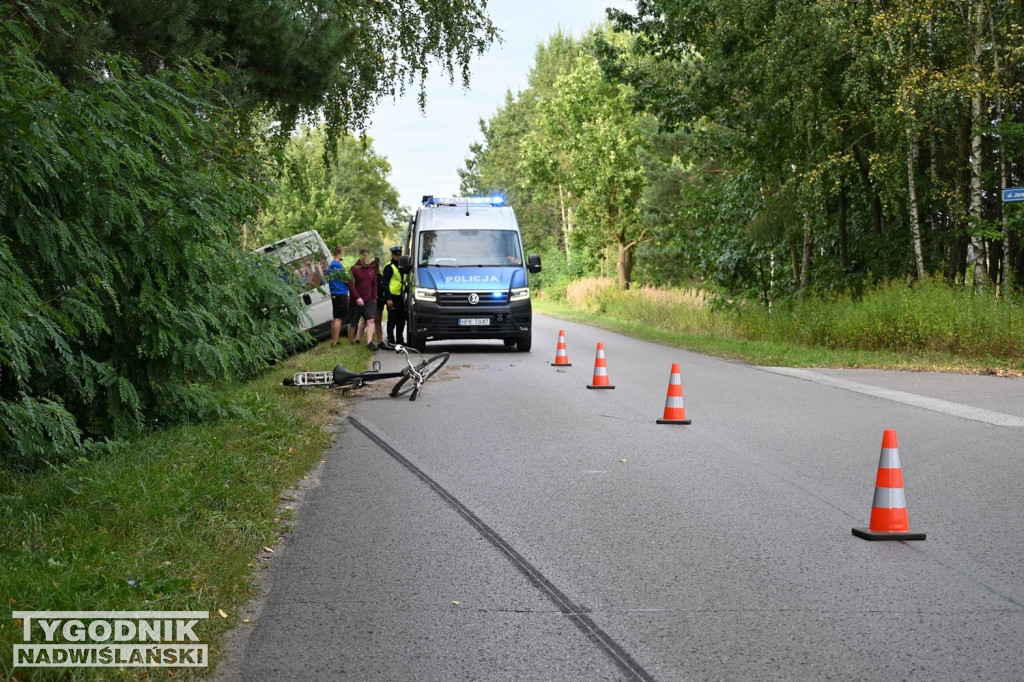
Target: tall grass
(677, 311)
(909, 319)
(927, 316)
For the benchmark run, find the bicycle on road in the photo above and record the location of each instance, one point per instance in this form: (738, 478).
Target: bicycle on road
(410, 378)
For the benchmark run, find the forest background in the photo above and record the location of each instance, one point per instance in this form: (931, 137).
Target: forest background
(768, 148)
(791, 161)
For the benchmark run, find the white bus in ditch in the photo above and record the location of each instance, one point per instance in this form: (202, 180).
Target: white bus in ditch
(304, 259)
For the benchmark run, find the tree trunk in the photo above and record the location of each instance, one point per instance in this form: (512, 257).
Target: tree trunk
(1006, 276)
(624, 264)
(844, 251)
(566, 223)
(877, 215)
(913, 152)
(805, 266)
(938, 217)
(975, 252)
(794, 259)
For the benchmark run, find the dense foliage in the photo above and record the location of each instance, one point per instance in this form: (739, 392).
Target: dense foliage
(344, 195)
(826, 145)
(565, 151)
(122, 284)
(131, 162)
(332, 59)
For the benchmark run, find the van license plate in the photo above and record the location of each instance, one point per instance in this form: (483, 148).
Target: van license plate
(474, 321)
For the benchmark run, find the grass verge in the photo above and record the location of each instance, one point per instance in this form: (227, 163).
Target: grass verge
(172, 521)
(933, 329)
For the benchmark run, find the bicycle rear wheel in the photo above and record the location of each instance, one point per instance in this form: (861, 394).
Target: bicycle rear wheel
(427, 369)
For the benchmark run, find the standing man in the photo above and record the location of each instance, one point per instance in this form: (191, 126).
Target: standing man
(364, 290)
(394, 288)
(338, 279)
(378, 329)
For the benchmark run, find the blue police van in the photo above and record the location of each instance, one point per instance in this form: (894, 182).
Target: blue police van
(466, 272)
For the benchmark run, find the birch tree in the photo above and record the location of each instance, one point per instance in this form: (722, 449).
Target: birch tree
(587, 141)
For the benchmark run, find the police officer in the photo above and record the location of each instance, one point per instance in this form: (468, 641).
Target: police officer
(394, 288)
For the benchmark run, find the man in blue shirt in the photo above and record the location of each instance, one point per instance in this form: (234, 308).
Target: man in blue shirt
(338, 278)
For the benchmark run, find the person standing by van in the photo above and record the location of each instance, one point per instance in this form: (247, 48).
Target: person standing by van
(338, 278)
(393, 290)
(364, 290)
(378, 318)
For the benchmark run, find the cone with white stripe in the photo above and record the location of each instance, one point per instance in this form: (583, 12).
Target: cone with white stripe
(889, 507)
(561, 355)
(675, 411)
(600, 370)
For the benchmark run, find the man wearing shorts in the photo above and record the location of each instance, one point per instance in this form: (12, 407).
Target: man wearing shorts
(364, 292)
(338, 278)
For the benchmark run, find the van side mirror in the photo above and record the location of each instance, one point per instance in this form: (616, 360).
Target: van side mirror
(533, 263)
(404, 264)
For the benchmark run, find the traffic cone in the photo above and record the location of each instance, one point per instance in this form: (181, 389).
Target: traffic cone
(561, 357)
(600, 370)
(889, 508)
(675, 413)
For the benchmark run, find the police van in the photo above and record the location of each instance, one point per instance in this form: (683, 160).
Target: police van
(303, 260)
(467, 277)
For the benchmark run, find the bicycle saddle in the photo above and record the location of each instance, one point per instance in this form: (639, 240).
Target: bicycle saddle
(341, 375)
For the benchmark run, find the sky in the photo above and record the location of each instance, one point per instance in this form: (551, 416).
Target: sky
(426, 149)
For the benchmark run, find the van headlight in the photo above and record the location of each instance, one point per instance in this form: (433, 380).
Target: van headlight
(424, 294)
(520, 294)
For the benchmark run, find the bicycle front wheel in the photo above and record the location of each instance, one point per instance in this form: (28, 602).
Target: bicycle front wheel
(426, 369)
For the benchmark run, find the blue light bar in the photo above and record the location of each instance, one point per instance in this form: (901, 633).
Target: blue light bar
(496, 200)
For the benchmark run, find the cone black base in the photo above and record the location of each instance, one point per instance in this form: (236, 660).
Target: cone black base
(674, 421)
(592, 386)
(868, 534)
(561, 364)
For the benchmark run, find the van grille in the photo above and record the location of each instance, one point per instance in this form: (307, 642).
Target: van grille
(488, 299)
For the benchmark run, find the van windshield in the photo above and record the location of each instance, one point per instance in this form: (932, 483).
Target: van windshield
(308, 270)
(469, 248)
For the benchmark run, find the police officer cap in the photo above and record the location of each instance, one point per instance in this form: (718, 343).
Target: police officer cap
(396, 249)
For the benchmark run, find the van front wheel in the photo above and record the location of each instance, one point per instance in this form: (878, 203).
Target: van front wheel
(524, 343)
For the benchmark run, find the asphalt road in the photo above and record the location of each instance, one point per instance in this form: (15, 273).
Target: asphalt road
(513, 525)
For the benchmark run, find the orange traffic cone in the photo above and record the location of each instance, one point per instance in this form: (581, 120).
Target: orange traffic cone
(561, 357)
(675, 413)
(600, 370)
(889, 508)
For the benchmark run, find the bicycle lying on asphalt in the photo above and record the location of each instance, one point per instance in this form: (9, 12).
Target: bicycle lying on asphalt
(410, 379)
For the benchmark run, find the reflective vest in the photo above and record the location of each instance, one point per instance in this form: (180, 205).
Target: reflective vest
(395, 283)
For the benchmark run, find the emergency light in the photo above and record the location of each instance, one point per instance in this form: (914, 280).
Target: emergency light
(495, 200)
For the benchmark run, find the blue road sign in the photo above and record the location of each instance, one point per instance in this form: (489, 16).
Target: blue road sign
(1013, 194)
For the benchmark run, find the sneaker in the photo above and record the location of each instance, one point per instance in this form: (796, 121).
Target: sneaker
(372, 346)
(387, 345)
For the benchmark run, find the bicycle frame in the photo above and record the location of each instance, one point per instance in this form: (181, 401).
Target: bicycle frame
(340, 377)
